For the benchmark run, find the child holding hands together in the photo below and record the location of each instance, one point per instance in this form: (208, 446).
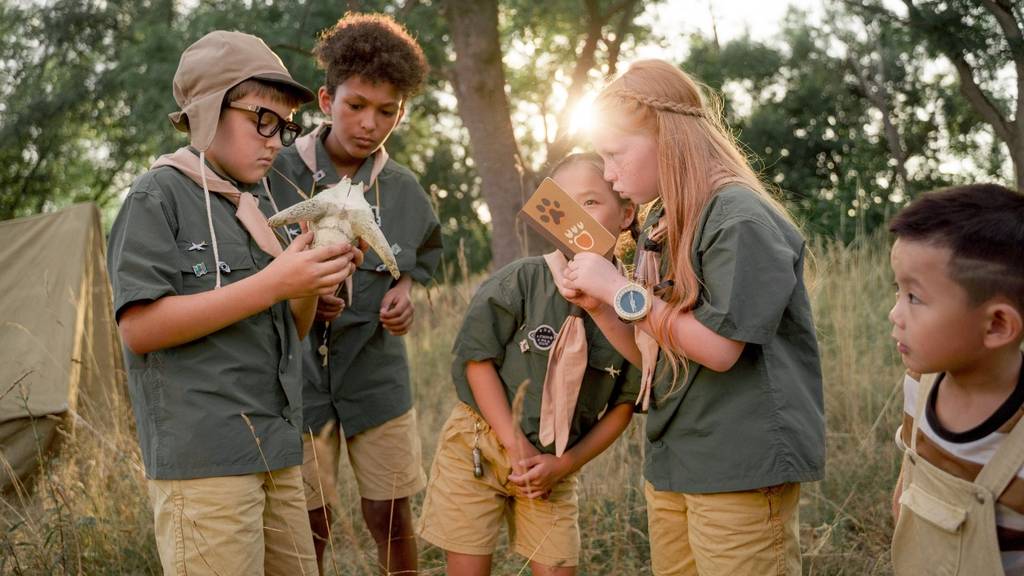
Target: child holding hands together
(578, 399)
(718, 316)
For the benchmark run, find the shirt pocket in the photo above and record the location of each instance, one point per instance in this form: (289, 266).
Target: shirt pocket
(929, 534)
(936, 511)
(198, 273)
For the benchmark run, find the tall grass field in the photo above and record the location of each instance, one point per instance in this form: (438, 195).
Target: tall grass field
(88, 511)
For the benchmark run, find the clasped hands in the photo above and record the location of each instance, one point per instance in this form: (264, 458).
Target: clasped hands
(534, 474)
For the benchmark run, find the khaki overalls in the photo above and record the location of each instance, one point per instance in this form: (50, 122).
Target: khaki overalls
(947, 525)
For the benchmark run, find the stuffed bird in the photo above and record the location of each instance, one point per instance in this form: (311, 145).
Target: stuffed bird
(337, 215)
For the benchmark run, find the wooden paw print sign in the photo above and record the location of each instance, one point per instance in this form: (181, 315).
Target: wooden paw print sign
(556, 216)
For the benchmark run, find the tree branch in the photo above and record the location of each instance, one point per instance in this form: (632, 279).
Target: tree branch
(969, 87)
(875, 10)
(615, 46)
(980, 101)
(1011, 29)
(585, 61)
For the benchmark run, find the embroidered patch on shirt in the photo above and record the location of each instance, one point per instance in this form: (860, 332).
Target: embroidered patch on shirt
(199, 269)
(197, 246)
(543, 336)
(524, 346)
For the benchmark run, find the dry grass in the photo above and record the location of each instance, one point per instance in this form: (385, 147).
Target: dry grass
(88, 512)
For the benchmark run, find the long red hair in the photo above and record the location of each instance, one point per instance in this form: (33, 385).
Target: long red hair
(697, 156)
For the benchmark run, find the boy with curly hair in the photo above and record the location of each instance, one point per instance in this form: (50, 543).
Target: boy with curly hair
(356, 373)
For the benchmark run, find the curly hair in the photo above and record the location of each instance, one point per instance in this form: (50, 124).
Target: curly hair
(374, 47)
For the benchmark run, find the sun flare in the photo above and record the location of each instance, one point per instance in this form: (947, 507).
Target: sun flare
(582, 117)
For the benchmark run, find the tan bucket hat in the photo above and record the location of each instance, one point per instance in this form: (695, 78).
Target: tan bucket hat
(213, 65)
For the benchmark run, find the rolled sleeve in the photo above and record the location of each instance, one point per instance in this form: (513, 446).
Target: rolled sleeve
(143, 256)
(627, 388)
(492, 319)
(749, 272)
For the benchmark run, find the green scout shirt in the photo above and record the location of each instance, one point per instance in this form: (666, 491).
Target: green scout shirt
(762, 422)
(366, 382)
(189, 400)
(513, 321)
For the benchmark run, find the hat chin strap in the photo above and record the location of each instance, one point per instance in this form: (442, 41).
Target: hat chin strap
(209, 216)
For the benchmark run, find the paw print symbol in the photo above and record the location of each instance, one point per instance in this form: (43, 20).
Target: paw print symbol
(580, 237)
(550, 211)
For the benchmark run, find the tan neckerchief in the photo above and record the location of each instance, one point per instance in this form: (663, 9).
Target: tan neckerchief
(648, 275)
(567, 364)
(247, 208)
(305, 145)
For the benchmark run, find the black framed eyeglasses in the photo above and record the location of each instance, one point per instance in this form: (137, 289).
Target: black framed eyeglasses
(269, 123)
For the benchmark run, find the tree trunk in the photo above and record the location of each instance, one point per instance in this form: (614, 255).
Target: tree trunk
(1017, 156)
(479, 81)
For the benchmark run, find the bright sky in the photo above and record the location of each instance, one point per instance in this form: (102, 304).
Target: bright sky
(675, 19)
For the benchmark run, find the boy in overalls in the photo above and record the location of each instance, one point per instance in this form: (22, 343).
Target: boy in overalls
(959, 267)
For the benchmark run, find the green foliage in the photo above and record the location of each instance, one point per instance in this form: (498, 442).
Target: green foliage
(809, 107)
(86, 108)
(70, 115)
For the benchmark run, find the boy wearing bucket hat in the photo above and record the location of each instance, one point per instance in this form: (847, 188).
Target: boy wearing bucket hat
(357, 396)
(211, 309)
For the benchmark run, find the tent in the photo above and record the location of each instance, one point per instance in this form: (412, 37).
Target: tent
(60, 354)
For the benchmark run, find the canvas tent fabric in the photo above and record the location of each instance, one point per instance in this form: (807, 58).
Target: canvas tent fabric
(60, 354)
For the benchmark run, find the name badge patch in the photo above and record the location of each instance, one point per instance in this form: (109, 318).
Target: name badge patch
(543, 336)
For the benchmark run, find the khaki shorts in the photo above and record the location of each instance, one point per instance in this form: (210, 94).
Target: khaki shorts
(251, 524)
(725, 534)
(464, 514)
(386, 460)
